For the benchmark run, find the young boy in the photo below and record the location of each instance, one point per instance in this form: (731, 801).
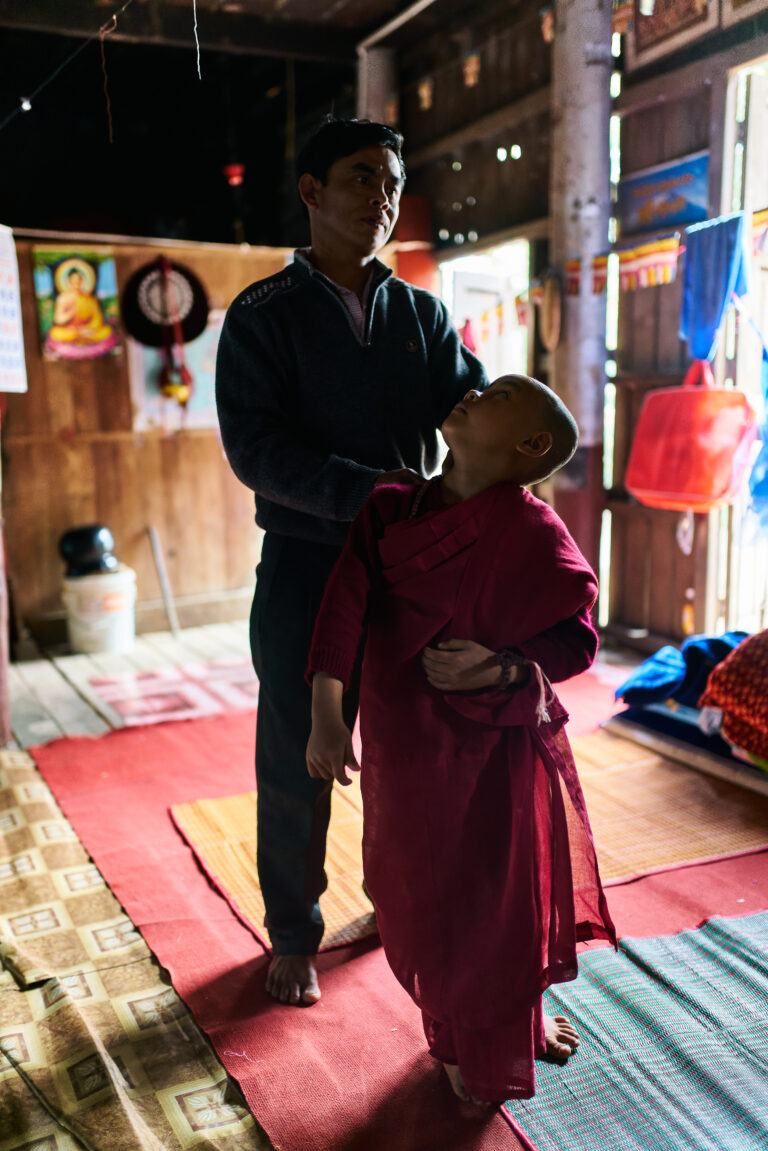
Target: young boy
(477, 848)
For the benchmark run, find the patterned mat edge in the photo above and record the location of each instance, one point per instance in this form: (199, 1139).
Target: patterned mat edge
(359, 936)
(262, 939)
(632, 877)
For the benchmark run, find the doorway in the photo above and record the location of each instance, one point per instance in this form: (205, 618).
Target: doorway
(480, 291)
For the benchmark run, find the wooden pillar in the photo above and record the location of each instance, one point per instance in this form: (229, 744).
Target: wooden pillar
(580, 209)
(376, 83)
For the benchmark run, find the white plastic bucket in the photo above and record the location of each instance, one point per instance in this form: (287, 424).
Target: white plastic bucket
(100, 610)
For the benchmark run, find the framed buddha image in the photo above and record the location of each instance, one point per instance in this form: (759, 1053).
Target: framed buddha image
(77, 303)
(672, 25)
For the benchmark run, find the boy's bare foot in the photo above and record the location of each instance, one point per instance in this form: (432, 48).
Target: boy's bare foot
(561, 1036)
(293, 979)
(457, 1083)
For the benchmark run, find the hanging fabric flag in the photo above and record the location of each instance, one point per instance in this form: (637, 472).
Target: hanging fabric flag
(572, 277)
(468, 336)
(656, 262)
(716, 267)
(623, 13)
(627, 273)
(759, 230)
(649, 265)
(521, 308)
(500, 318)
(485, 331)
(599, 274)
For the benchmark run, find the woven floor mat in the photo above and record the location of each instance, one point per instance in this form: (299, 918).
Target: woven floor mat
(648, 814)
(222, 834)
(90, 1029)
(651, 814)
(674, 1051)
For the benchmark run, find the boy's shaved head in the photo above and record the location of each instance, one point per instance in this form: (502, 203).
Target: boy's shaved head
(517, 430)
(561, 425)
(552, 415)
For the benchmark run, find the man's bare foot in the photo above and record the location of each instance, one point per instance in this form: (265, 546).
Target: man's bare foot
(561, 1036)
(457, 1083)
(293, 979)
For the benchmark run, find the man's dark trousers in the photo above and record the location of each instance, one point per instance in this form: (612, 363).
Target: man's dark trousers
(293, 809)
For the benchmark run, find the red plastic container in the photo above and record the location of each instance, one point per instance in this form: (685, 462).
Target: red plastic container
(692, 444)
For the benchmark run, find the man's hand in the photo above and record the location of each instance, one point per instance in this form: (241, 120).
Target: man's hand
(401, 476)
(461, 665)
(329, 751)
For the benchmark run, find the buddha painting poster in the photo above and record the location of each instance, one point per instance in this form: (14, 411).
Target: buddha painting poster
(77, 303)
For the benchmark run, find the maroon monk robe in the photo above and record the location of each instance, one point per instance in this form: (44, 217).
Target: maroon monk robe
(476, 847)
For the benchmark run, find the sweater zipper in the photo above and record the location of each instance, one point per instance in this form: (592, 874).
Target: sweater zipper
(365, 342)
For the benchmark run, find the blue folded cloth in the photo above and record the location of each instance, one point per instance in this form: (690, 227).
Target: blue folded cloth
(716, 266)
(680, 675)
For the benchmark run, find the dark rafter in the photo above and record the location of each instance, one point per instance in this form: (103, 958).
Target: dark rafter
(172, 26)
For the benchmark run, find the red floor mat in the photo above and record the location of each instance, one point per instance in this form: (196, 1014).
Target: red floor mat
(349, 1073)
(588, 699)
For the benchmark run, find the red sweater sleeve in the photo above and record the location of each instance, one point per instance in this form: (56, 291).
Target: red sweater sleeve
(564, 650)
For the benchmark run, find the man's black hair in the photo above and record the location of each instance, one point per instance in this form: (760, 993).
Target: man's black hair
(336, 138)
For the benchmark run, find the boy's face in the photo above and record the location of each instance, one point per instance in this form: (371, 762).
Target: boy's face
(355, 211)
(497, 420)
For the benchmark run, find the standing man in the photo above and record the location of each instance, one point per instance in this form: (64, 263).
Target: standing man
(331, 379)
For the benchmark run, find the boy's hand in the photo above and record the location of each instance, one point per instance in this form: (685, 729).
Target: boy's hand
(329, 751)
(461, 665)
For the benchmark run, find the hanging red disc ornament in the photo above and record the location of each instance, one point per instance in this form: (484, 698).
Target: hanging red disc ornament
(165, 306)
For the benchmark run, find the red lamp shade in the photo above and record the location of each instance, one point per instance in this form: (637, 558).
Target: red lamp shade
(234, 173)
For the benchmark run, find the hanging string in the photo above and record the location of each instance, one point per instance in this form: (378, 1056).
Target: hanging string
(104, 32)
(197, 38)
(80, 48)
(290, 113)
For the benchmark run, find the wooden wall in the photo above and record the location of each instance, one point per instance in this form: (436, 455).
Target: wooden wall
(657, 594)
(70, 457)
(465, 125)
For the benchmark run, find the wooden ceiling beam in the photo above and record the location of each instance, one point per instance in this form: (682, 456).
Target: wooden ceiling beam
(172, 26)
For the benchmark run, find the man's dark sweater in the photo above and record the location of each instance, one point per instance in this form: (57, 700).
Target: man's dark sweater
(310, 414)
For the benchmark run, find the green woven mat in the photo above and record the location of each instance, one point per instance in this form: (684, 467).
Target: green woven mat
(674, 1053)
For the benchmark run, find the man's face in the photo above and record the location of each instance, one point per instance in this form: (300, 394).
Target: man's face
(356, 210)
(496, 420)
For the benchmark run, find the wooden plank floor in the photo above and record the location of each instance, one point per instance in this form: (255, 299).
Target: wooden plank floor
(52, 696)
